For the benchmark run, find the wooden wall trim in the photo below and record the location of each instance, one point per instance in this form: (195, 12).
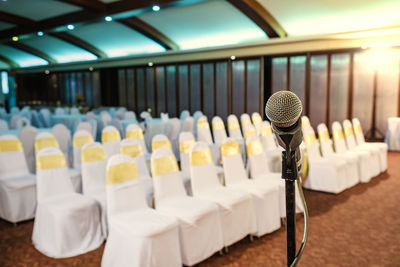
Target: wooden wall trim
(351, 87)
(328, 90)
(245, 86)
(307, 84)
(288, 73)
(215, 88)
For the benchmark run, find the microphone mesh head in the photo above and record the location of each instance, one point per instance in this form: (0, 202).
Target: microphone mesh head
(283, 108)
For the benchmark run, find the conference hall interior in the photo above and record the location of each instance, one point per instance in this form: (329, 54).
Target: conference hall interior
(167, 133)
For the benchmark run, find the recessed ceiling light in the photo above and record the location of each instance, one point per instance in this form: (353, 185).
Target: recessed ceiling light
(108, 18)
(70, 27)
(364, 47)
(233, 57)
(47, 71)
(150, 64)
(90, 68)
(40, 33)
(156, 8)
(15, 38)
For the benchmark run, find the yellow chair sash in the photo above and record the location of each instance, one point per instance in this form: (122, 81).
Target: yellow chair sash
(122, 172)
(10, 145)
(249, 132)
(79, 141)
(162, 143)
(323, 135)
(233, 125)
(257, 119)
(45, 142)
(305, 123)
(310, 139)
(337, 134)
(245, 122)
(348, 131)
(110, 136)
(164, 165)
(132, 150)
(200, 157)
(203, 124)
(218, 125)
(254, 148)
(91, 154)
(265, 130)
(230, 149)
(185, 145)
(50, 162)
(357, 128)
(135, 134)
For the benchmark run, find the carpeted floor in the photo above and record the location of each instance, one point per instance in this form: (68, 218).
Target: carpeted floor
(359, 227)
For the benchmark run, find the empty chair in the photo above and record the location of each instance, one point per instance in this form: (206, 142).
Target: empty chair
(200, 229)
(363, 157)
(352, 164)
(93, 124)
(249, 130)
(234, 128)
(46, 117)
(94, 160)
(236, 208)
(245, 120)
(218, 129)
(260, 172)
(184, 115)
(84, 126)
(118, 125)
(203, 130)
(257, 121)
(187, 125)
(173, 129)
(129, 115)
(105, 119)
(3, 125)
(138, 235)
(63, 136)
(119, 114)
(133, 148)
(90, 115)
(17, 185)
(265, 196)
(186, 139)
(47, 139)
(383, 147)
(59, 111)
(27, 136)
(17, 122)
(74, 111)
(145, 115)
(36, 121)
(272, 151)
(110, 139)
(135, 132)
(160, 140)
(324, 174)
(66, 223)
(14, 110)
(196, 116)
(81, 138)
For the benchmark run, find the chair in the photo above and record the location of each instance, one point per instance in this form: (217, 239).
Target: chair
(81, 138)
(187, 125)
(27, 136)
(85, 126)
(63, 136)
(363, 157)
(249, 130)
(66, 223)
(90, 115)
(257, 121)
(184, 115)
(138, 235)
(218, 129)
(203, 130)
(130, 115)
(118, 125)
(199, 223)
(36, 121)
(186, 139)
(16, 122)
(74, 111)
(236, 208)
(3, 125)
(145, 115)
(110, 139)
(47, 139)
(17, 185)
(160, 140)
(132, 148)
(196, 116)
(324, 175)
(135, 132)
(234, 128)
(14, 110)
(245, 120)
(173, 129)
(265, 196)
(59, 111)
(260, 172)
(119, 114)
(353, 166)
(383, 147)
(94, 160)
(272, 151)
(46, 117)
(105, 119)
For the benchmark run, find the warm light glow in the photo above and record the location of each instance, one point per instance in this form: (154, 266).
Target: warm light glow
(233, 57)
(108, 18)
(378, 58)
(47, 71)
(150, 64)
(156, 8)
(70, 27)
(364, 47)
(90, 68)
(40, 33)
(70, 57)
(15, 38)
(4, 82)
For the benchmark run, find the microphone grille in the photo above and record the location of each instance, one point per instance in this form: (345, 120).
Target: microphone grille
(283, 108)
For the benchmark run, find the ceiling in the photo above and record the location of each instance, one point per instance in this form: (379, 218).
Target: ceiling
(53, 32)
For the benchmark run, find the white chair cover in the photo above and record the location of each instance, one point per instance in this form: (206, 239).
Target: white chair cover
(271, 149)
(196, 116)
(27, 136)
(234, 128)
(46, 115)
(257, 121)
(363, 157)
(160, 140)
(17, 185)
(199, 223)
(260, 172)
(218, 128)
(130, 115)
(118, 125)
(203, 130)
(105, 119)
(265, 196)
(94, 160)
(184, 115)
(235, 208)
(14, 110)
(18, 122)
(138, 235)
(81, 137)
(173, 129)
(119, 114)
(135, 132)
(383, 148)
(188, 125)
(133, 148)
(59, 111)
(66, 224)
(85, 126)
(3, 125)
(90, 115)
(186, 139)
(63, 136)
(145, 115)
(74, 111)
(110, 138)
(245, 120)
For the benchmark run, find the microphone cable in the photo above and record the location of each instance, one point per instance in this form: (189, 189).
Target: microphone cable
(305, 232)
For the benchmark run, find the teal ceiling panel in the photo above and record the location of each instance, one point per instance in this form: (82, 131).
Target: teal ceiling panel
(37, 9)
(61, 51)
(3, 65)
(22, 58)
(205, 24)
(5, 25)
(116, 40)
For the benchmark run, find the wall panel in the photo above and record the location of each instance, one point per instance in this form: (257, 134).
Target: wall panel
(142, 104)
(279, 74)
(298, 78)
(208, 90)
(318, 89)
(238, 87)
(195, 88)
(130, 89)
(222, 89)
(253, 86)
(122, 87)
(171, 91)
(161, 97)
(150, 94)
(183, 87)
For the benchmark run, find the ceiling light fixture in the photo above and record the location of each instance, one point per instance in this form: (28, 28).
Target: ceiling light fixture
(108, 18)
(364, 47)
(233, 57)
(90, 68)
(40, 33)
(156, 8)
(15, 38)
(46, 71)
(70, 27)
(150, 64)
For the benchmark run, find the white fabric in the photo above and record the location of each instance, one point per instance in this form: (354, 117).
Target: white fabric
(173, 129)
(59, 111)
(234, 133)
(187, 125)
(271, 149)
(17, 186)
(134, 127)
(219, 134)
(112, 147)
(118, 125)
(3, 125)
(63, 136)
(200, 230)
(257, 121)
(74, 111)
(363, 157)
(204, 134)
(235, 208)
(130, 115)
(85, 126)
(27, 137)
(90, 115)
(66, 224)
(77, 149)
(392, 138)
(184, 115)
(138, 236)
(265, 196)
(46, 115)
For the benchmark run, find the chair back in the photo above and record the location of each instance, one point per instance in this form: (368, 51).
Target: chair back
(324, 140)
(44, 140)
(232, 162)
(90, 115)
(3, 125)
(84, 126)
(188, 124)
(94, 160)
(186, 139)
(305, 122)
(245, 120)
(63, 136)
(312, 144)
(46, 116)
(267, 137)
(249, 130)
(74, 111)
(129, 115)
(59, 111)
(110, 139)
(257, 121)
(133, 148)
(81, 138)
(258, 162)
(160, 140)
(349, 134)
(338, 138)
(218, 129)
(27, 137)
(234, 128)
(184, 115)
(12, 158)
(173, 129)
(118, 125)
(358, 131)
(133, 131)
(203, 130)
